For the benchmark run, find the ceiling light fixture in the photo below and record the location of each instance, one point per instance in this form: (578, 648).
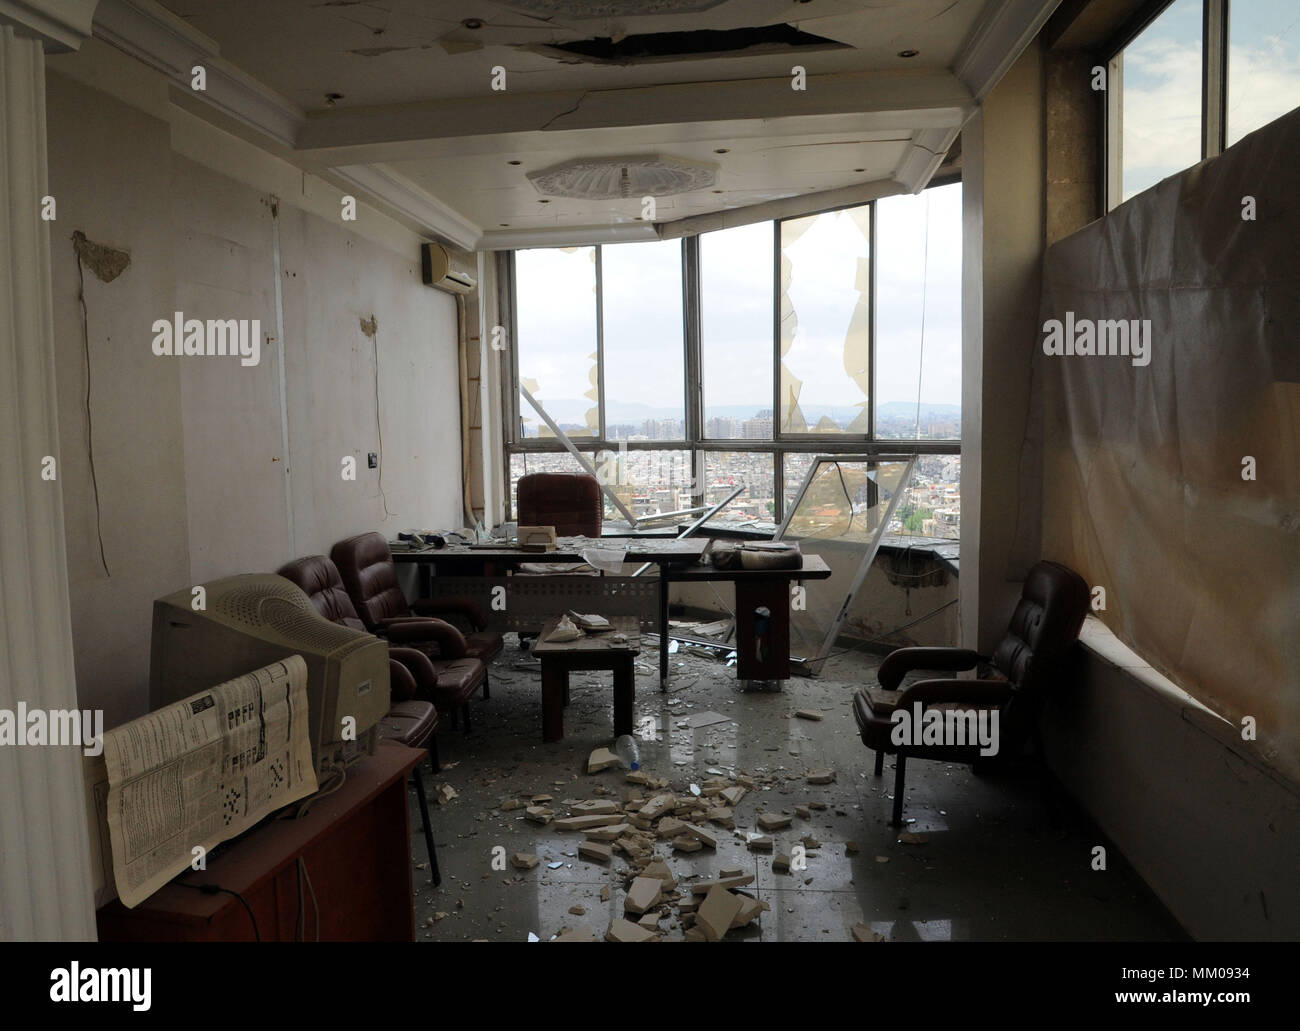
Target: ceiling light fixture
(651, 175)
(473, 23)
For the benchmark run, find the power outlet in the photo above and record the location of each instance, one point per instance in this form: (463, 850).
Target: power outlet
(372, 460)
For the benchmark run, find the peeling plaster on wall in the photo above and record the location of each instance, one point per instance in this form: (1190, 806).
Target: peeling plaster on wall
(370, 327)
(106, 262)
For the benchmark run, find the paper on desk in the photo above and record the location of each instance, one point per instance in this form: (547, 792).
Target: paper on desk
(607, 560)
(203, 770)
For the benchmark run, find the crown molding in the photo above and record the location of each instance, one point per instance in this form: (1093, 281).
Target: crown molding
(410, 203)
(153, 35)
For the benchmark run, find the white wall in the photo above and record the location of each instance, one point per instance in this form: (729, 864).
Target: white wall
(189, 452)
(1212, 829)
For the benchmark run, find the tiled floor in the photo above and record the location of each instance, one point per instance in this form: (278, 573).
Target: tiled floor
(1006, 856)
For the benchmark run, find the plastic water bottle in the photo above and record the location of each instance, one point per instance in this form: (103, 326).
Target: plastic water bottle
(627, 752)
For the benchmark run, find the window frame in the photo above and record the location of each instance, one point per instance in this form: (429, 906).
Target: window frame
(695, 442)
(1214, 90)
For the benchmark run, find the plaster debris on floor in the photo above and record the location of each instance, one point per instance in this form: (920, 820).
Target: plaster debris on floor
(754, 816)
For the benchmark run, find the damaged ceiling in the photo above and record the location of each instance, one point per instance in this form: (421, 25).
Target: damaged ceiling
(395, 99)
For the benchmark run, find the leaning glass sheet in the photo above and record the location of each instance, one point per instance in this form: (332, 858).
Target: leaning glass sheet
(844, 507)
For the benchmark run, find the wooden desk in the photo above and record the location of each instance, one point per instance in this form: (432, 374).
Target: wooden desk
(766, 588)
(594, 651)
(356, 847)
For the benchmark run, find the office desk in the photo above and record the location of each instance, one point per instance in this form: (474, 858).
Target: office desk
(668, 553)
(678, 562)
(766, 588)
(356, 848)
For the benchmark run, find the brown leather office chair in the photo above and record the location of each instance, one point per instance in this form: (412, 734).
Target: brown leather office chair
(448, 679)
(571, 502)
(365, 564)
(1046, 622)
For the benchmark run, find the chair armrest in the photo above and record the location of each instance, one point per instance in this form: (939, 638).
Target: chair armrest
(450, 641)
(401, 682)
(901, 661)
(466, 607)
(418, 666)
(947, 689)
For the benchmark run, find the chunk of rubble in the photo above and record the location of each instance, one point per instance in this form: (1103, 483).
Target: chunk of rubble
(863, 933)
(657, 806)
(595, 852)
(822, 776)
(582, 823)
(446, 793)
(601, 759)
(524, 860)
(773, 821)
(761, 843)
(595, 807)
(716, 912)
(611, 832)
(808, 714)
(685, 843)
(621, 930)
(643, 894)
(577, 934)
(539, 814)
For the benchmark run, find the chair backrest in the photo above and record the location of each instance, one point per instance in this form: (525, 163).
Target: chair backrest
(318, 578)
(1046, 622)
(570, 502)
(366, 568)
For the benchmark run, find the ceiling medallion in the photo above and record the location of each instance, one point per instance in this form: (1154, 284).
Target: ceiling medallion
(652, 175)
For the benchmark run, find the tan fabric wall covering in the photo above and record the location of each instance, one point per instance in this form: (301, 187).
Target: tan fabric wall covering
(1143, 489)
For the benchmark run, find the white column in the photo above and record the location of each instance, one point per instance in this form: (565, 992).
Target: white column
(45, 873)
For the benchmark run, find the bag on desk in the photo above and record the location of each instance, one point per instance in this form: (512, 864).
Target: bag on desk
(758, 556)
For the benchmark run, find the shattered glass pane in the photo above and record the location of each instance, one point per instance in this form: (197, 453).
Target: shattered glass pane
(826, 322)
(841, 516)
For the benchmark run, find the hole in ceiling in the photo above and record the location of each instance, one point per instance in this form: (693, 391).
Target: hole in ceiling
(699, 43)
(908, 53)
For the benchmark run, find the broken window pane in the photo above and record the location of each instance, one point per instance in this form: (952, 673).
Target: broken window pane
(931, 504)
(555, 291)
(918, 315)
(841, 516)
(826, 322)
(724, 471)
(645, 381)
(736, 332)
(796, 468)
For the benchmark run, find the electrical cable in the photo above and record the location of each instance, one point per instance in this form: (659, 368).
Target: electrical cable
(90, 429)
(216, 889)
(379, 423)
(925, 275)
(304, 875)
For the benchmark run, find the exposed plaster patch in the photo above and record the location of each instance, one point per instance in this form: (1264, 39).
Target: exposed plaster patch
(106, 262)
(370, 327)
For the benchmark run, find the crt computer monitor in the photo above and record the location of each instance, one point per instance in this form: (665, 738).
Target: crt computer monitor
(252, 620)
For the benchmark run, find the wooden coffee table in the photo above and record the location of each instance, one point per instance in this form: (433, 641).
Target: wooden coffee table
(593, 651)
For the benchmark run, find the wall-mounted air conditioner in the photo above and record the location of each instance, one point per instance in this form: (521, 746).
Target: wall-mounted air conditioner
(439, 268)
